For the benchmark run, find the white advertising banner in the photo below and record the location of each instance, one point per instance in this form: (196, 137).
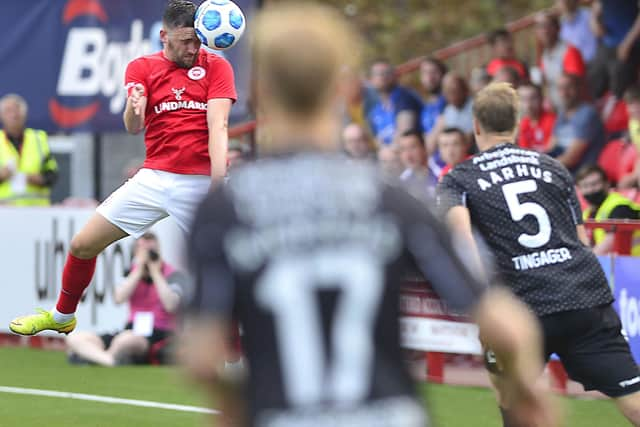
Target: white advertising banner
(420, 333)
(33, 249)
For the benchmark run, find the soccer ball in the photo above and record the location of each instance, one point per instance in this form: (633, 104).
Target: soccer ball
(219, 24)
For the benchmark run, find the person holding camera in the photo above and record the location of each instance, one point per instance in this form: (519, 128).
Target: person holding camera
(153, 290)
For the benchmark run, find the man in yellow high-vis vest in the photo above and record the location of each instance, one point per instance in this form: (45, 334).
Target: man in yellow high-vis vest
(604, 205)
(27, 168)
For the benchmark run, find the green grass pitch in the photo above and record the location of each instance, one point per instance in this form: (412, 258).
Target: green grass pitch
(449, 406)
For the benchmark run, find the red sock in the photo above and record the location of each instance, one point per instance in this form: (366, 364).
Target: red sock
(76, 277)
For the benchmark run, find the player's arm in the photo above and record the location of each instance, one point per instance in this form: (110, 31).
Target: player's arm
(218, 110)
(134, 111)
(203, 338)
(582, 234)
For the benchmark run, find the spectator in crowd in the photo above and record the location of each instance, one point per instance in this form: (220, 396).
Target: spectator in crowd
(603, 205)
(575, 28)
(478, 80)
(453, 147)
(557, 56)
(578, 135)
(457, 113)
(632, 101)
(27, 168)
(356, 142)
(615, 67)
(417, 177)
(507, 74)
(238, 153)
(398, 108)
(536, 123)
(153, 290)
(503, 53)
(431, 73)
(358, 98)
(389, 161)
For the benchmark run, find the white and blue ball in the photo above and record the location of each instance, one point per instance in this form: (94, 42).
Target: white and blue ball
(219, 24)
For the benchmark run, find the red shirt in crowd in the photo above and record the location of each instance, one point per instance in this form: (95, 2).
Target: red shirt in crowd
(563, 58)
(536, 135)
(177, 134)
(497, 63)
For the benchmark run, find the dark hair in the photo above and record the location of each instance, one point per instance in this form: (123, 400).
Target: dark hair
(179, 14)
(632, 94)
(414, 132)
(587, 170)
(454, 130)
(441, 66)
(500, 33)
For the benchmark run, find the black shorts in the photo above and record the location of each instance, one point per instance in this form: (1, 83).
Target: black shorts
(592, 349)
(156, 335)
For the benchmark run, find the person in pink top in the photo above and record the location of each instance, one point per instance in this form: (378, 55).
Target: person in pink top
(153, 289)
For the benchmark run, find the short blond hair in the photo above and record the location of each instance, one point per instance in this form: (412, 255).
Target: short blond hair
(496, 108)
(299, 50)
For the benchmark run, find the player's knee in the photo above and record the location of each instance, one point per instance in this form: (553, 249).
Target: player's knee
(81, 247)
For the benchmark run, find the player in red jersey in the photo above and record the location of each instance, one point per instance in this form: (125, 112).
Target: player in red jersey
(182, 97)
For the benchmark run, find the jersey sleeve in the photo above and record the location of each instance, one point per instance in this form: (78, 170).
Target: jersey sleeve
(430, 247)
(450, 193)
(214, 285)
(136, 73)
(221, 81)
(570, 193)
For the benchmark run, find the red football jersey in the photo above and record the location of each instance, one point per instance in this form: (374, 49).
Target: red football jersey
(176, 131)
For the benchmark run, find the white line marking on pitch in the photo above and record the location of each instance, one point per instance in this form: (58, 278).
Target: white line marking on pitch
(107, 399)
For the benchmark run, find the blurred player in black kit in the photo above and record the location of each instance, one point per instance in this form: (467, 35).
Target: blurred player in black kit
(308, 251)
(524, 205)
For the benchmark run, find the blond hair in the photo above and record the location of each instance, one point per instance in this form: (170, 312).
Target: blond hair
(496, 108)
(299, 50)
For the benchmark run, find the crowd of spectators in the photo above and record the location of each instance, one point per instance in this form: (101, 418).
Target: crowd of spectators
(580, 99)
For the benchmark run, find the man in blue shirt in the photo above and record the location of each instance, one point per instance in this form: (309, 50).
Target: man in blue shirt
(398, 108)
(578, 135)
(431, 73)
(617, 24)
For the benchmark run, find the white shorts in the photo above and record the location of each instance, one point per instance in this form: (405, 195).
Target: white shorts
(151, 195)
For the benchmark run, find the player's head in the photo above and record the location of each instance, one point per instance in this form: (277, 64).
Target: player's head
(178, 36)
(413, 152)
(592, 183)
(13, 113)
(495, 114)
(452, 145)
(300, 50)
